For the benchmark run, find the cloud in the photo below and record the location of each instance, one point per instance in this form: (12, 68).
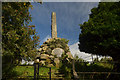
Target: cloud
(85, 56)
(75, 50)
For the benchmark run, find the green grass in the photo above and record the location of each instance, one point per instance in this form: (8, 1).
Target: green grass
(105, 65)
(29, 70)
(25, 70)
(80, 67)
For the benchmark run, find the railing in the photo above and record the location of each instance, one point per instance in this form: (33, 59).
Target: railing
(83, 74)
(97, 74)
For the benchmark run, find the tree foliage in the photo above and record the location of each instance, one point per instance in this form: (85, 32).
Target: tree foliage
(19, 40)
(101, 34)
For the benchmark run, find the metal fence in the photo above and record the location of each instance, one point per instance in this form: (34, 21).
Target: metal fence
(82, 68)
(34, 72)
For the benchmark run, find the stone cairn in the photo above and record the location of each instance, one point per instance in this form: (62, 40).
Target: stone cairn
(52, 50)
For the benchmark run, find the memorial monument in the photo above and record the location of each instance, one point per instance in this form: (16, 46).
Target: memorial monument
(53, 25)
(53, 48)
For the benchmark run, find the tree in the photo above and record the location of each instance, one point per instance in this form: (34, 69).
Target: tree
(101, 34)
(19, 40)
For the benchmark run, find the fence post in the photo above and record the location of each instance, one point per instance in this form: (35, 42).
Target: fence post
(76, 77)
(38, 71)
(50, 73)
(92, 57)
(34, 71)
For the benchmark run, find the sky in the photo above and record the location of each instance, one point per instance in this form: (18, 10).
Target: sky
(68, 17)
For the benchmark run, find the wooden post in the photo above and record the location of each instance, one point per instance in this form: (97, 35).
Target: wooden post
(97, 58)
(76, 77)
(92, 58)
(38, 71)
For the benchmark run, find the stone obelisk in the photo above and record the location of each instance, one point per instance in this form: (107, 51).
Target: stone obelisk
(53, 25)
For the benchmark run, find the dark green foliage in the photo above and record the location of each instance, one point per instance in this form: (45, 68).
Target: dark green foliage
(100, 66)
(19, 40)
(93, 67)
(101, 34)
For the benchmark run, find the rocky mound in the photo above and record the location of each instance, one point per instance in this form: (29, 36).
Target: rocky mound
(52, 50)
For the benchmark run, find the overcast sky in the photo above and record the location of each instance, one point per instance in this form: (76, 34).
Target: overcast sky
(69, 15)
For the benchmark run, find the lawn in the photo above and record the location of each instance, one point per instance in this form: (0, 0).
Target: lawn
(27, 71)
(24, 71)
